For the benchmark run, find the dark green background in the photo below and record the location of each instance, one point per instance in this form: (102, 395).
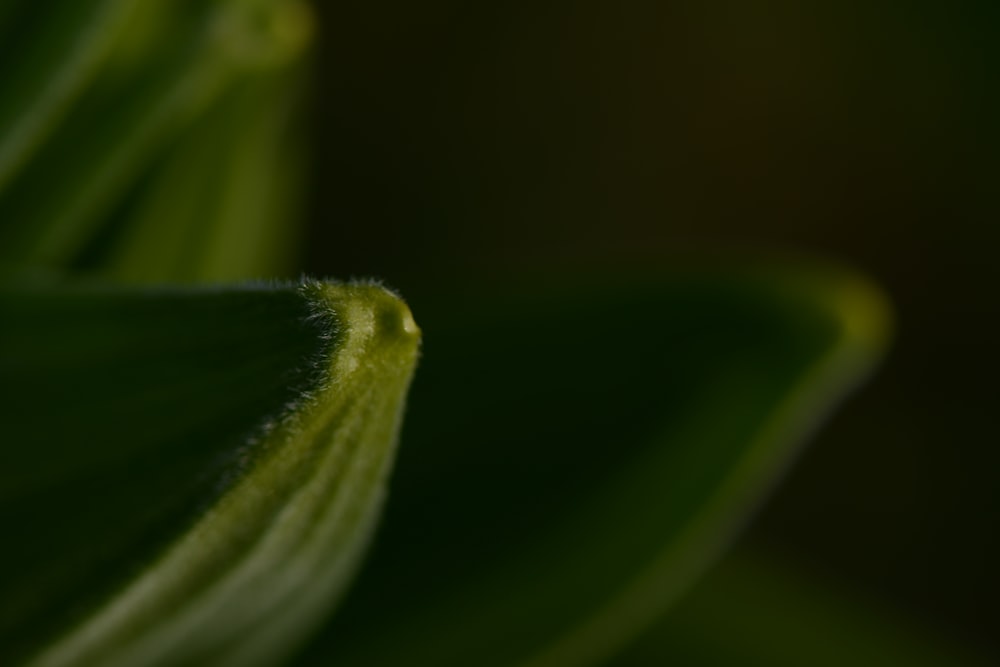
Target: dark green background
(474, 142)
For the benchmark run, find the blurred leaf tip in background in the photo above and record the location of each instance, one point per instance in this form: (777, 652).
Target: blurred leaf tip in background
(559, 492)
(151, 140)
(198, 455)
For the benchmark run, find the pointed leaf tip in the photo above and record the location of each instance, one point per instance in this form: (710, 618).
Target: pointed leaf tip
(202, 473)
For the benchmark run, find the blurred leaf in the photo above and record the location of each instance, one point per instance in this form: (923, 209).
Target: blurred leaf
(129, 117)
(189, 476)
(52, 50)
(574, 462)
(751, 612)
(221, 205)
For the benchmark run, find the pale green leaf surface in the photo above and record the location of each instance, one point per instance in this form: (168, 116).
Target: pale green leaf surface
(574, 463)
(189, 476)
(754, 611)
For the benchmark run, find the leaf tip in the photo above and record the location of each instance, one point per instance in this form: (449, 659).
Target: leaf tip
(863, 310)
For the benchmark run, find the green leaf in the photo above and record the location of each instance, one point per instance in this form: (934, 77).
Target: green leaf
(755, 612)
(189, 476)
(575, 462)
(220, 207)
(52, 50)
(131, 115)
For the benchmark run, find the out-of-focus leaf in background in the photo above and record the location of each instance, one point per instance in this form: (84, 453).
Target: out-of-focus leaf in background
(221, 204)
(190, 476)
(475, 142)
(575, 459)
(108, 149)
(755, 610)
(53, 50)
